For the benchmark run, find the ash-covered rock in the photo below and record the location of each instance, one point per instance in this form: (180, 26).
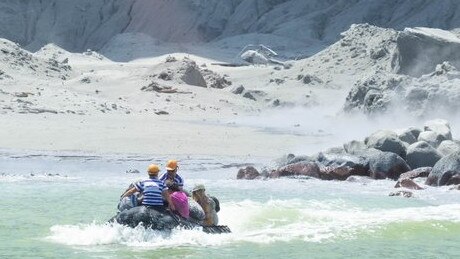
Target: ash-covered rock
(384, 91)
(186, 71)
(191, 74)
(4, 75)
(375, 93)
(16, 60)
(215, 80)
(419, 50)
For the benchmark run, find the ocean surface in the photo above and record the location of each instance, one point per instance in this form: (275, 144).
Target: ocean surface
(56, 206)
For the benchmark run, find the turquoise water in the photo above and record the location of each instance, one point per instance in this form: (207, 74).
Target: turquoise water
(44, 215)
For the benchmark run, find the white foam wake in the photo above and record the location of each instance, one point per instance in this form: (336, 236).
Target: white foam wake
(272, 221)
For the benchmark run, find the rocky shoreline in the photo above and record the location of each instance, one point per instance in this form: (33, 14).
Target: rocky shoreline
(404, 155)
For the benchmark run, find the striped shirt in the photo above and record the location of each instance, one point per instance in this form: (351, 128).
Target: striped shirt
(177, 179)
(152, 190)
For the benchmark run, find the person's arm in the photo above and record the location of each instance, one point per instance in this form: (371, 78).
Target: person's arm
(167, 197)
(129, 192)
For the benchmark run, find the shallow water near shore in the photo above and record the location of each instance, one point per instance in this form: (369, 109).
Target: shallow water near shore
(56, 206)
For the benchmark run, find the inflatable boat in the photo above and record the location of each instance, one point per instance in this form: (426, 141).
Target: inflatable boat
(131, 214)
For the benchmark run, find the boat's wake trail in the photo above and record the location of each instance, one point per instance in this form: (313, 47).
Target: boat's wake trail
(272, 221)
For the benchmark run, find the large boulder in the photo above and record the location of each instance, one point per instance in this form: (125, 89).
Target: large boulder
(448, 147)
(387, 165)
(336, 173)
(418, 172)
(295, 159)
(419, 50)
(337, 163)
(441, 127)
(446, 171)
(408, 136)
(248, 173)
(415, 131)
(191, 74)
(387, 141)
(422, 154)
(431, 137)
(303, 169)
(292, 159)
(354, 147)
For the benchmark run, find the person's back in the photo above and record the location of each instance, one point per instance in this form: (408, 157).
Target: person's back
(152, 190)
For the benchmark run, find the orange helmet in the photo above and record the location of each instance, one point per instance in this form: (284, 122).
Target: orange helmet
(171, 165)
(153, 169)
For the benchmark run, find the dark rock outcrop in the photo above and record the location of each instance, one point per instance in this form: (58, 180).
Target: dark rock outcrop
(387, 165)
(408, 136)
(415, 131)
(446, 171)
(386, 141)
(422, 154)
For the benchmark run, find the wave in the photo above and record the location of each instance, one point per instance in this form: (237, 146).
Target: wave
(269, 222)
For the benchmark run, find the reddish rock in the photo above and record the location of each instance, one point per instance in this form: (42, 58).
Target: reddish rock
(248, 173)
(419, 172)
(336, 173)
(408, 183)
(309, 169)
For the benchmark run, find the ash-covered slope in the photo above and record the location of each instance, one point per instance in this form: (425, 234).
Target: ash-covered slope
(423, 78)
(78, 25)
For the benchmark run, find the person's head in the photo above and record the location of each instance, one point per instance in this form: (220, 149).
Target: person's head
(172, 186)
(153, 170)
(198, 191)
(171, 166)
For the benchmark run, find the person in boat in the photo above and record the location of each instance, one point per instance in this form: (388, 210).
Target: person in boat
(179, 199)
(130, 201)
(153, 190)
(171, 176)
(208, 204)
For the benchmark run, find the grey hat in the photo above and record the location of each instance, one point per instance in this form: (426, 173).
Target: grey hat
(198, 187)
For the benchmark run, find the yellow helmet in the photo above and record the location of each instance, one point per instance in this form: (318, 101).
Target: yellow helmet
(171, 165)
(153, 169)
